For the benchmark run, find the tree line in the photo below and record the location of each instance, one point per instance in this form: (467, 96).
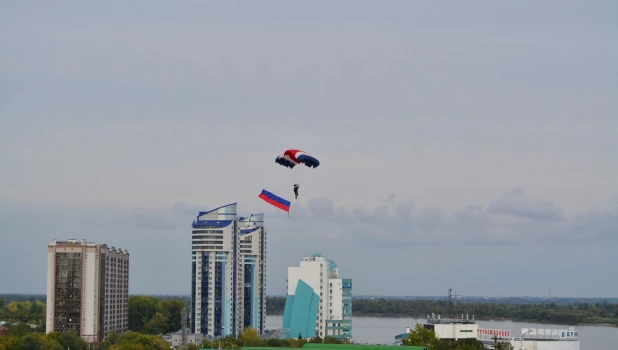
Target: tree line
(581, 313)
(148, 315)
(152, 315)
(161, 314)
(149, 318)
(30, 312)
(250, 338)
(22, 337)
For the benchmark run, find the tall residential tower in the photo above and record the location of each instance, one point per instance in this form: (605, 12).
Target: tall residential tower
(318, 303)
(228, 288)
(87, 289)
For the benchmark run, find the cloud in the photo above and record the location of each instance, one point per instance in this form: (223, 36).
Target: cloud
(401, 107)
(594, 226)
(401, 224)
(389, 200)
(514, 203)
(397, 235)
(404, 210)
(177, 216)
(321, 207)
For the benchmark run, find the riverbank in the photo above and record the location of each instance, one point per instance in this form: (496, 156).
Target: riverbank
(489, 318)
(382, 330)
(477, 318)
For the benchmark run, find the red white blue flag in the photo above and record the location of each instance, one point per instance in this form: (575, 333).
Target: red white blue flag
(275, 200)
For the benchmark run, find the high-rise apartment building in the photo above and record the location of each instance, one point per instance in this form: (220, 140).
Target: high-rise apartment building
(228, 287)
(318, 302)
(87, 289)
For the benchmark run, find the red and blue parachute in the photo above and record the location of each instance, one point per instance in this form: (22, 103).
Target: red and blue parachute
(293, 157)
(290, 158)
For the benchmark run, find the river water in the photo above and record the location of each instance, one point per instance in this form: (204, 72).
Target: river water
(382, 330)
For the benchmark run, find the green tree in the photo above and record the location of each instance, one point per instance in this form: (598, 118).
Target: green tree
(172, 310)
(141, 310)
(332, 340)
(134, 340)
(316, 339)
(208, 345)
(277, 343)
(39, 342)
(9, 342)
(30, 342)
(70, 339)
(19, 330)
(504, 346)
(297, 343)
(112, 339)
(128, 346)
(422, 336)
(156, 325)
(249, 337)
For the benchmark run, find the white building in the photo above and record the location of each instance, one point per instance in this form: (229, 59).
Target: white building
(87, 289)
(547, 339)
(192, 338)
(452, 328)
(228, 288)
(315, 291)
(544, 345)
(252, 247)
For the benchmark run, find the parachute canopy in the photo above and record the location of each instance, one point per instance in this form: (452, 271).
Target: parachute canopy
(292, 157)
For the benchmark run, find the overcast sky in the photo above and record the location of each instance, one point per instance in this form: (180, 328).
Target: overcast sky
(463, 143)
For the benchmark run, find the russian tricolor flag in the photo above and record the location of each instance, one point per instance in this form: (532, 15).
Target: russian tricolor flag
(275, 200)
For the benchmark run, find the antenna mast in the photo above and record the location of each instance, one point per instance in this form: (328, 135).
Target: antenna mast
(450, 300)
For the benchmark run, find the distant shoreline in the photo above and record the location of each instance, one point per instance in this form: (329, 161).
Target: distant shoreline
(476, 318)
(598, 314)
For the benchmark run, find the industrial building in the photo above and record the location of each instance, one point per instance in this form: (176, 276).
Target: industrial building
(449, 328)
(463, 328)
(318, 302)
(547, 339)
(530, 339)
(321, 346)
(176, 339)
(228, 287)
(87, 289)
